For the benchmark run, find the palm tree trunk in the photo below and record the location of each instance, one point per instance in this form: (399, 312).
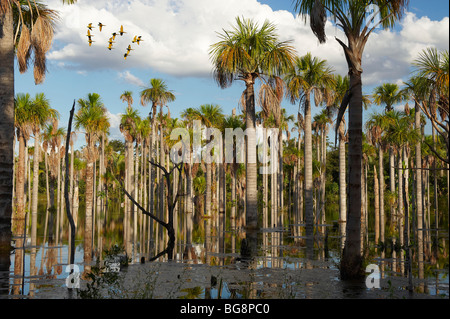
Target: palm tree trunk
(132, 192)
(376, 204)
(161, 186)
(342, 186)
(136, 196)
(189, 206)
(309, 213)
(6, 134)
(351, 262)
(71, 192)
(88, 216)
(34, 199)
(381, 180)
(235, 207)
(58, 195)
(151, 186)
(392, 182)
(19, 216)
(363, 208)
(400, 205)
(251, 210)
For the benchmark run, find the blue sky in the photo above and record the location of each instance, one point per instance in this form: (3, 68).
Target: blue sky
(177, 35)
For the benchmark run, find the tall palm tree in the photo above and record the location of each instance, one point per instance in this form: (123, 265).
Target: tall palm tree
(90, 116)
(341, 87)
(355, 21)
(41, 114)
(211, 116)
(311, 75)
(17, 18)
(401, 134)
(247, 53)
(52, 146)
(389, 94)
(418, 89)
(128, 126)
(159, 95)
(376, 128)
(23, 108)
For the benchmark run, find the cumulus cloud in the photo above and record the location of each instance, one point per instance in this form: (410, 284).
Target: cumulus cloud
(114, 121)
(178, 34)
(130, 78)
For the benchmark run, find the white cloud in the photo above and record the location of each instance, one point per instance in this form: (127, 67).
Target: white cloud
(130, 78)
(114, 130)
(177, 36)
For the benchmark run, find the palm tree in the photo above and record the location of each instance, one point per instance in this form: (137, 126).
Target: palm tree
(23, 108)
(418, 89)
(433, 67)
(247, 53)
(388, 94)
(128, 127)
(401, 134)
(159, 95)
(322, 120)
(127, 96)
(52, 146)
(42, 113)
(376, 128)
(355, 21)
(91, 116)
(16, 20)
(211, 116)
(341, 86)
(310, 75)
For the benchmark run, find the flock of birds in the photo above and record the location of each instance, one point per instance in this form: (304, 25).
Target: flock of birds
(136, 39)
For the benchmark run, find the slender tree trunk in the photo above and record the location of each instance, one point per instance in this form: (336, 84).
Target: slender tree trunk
(351, 263)
(34, 199)
(342, 185)
(6, 134)
(363, 208)
(382, 221)
(19, 216)
(161, 186)
(309, 213)
(376, 204)
(251, 169)
(71, 191)
(89, 208)
(137, 196)
(400, 205)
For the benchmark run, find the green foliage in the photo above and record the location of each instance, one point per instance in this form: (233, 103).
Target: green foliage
(102, 282)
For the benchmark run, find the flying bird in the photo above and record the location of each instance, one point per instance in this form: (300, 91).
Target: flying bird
(121, 32)
(114, 35)
(129, 48)
(89, 35)
(125, 55)
(134, 39)
(90, 26)
(139, 40)
(90, 42)
(110, 41)
(100, 25)
(110, 47)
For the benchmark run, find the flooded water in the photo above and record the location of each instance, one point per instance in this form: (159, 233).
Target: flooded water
(215, 267)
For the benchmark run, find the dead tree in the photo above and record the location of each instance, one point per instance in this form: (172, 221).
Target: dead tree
(171, 203)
